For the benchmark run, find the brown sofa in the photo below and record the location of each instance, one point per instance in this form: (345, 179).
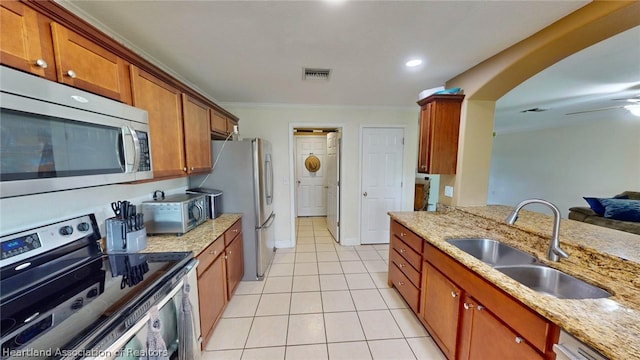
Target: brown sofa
(585, 214)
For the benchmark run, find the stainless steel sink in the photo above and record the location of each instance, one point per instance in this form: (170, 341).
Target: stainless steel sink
(553, 282)
(492, 252)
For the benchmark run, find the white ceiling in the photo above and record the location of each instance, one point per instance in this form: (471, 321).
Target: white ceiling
(254, 51)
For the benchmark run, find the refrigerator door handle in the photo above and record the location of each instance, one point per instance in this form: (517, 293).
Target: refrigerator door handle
(269, 221)
(269, 178)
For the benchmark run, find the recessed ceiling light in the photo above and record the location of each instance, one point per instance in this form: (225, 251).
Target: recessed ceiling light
(413, 63)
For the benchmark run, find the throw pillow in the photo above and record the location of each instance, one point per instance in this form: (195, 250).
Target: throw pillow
(596, 206)
(621, 209)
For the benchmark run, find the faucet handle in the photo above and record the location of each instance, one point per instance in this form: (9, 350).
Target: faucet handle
(558, 251)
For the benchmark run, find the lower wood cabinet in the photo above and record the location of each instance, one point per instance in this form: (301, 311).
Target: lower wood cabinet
(219, 272)
(467, 316)
(441, 309)
(484, 336)
(234, 263)
(212, 296)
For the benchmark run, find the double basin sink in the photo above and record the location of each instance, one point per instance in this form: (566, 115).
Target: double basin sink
(527, 270)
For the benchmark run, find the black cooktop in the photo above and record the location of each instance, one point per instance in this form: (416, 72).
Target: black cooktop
(48, 310)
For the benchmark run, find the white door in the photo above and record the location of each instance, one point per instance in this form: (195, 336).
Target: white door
(311, 186)
(382, 154)
(333, 184)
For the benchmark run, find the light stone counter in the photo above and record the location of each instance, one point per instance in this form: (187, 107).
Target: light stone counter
(195, 240)
(604, 257)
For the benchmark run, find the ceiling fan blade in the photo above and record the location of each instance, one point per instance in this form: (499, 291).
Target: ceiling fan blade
(594, 110)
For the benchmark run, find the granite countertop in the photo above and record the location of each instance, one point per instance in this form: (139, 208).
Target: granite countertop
(195, 240)
(603, 257)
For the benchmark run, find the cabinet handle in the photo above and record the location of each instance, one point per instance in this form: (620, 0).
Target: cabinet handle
(230, 252)
(402, 265)
(402, 234)
(71, 74)
(467, 306)
(41, 63)
(402, 251)
(184, 169)
(479, 307)
(192, 168)
(400, 283)
(213, 252)
(453, 294)
(518, 339)
(235, 230)
(226, 257)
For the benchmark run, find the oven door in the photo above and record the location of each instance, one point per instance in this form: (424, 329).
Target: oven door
(173, 321)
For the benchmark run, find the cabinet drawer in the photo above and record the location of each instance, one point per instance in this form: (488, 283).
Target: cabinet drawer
(414, 258)
(208, 255)
(412, 274)
(232, 232)
(410, 293)
(409, 238)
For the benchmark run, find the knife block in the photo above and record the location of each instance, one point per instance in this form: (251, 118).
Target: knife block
(121, 241)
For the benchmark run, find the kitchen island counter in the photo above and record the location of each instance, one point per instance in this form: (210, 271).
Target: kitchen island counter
(603, 257)
(195, 240)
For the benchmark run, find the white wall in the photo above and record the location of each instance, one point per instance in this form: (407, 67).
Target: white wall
(273, 123)
(564, 164)
(28, 211)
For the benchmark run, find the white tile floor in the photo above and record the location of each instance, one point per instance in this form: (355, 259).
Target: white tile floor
(321, 300)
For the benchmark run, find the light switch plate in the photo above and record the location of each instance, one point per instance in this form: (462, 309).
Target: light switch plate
(448, 191)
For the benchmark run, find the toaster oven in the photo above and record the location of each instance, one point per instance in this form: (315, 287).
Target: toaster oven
(175, 214)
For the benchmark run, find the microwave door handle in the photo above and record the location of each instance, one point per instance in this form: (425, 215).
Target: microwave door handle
(131, 149)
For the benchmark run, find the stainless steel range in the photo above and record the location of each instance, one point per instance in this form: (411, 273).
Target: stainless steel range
(61, 298)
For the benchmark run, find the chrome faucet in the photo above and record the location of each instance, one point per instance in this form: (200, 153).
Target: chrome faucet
(554, 252)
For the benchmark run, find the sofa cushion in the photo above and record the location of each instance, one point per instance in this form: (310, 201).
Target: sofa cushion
(621, 209)
(596, 206)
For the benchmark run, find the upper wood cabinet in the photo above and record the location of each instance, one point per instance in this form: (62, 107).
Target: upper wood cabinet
(197, 136)
(84, 64)
(218, 123)
(438, 138)
(25, 40)
(163, 102)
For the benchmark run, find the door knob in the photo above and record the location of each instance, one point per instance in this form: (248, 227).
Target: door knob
(365, 194)
(298, 182)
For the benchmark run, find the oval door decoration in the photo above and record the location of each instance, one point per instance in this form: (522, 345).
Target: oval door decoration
(312, 163)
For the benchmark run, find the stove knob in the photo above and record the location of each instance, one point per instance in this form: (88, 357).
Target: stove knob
(77, 304)
(92, 293)
(66, 230)
(83, 227)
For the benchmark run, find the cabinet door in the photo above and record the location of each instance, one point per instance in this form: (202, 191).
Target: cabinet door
(479, 325)
(235, 265)
(218, 123)
(230, 124)
(84, 64)
(212, 297)
(426, 114)
(441, 308)
(22, 45)
(197, 137)
(164, 105)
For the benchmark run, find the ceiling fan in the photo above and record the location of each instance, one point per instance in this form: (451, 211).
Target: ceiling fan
(633, 105)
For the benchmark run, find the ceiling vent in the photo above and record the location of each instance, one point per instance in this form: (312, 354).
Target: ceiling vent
(314, 74)
(535, 109)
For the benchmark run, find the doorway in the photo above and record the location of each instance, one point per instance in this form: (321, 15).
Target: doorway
(382, 163)
(316, 170)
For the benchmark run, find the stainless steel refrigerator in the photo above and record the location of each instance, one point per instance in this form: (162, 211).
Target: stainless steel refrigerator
(244, 172)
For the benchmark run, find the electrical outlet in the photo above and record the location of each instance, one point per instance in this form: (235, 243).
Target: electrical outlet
(448, 191)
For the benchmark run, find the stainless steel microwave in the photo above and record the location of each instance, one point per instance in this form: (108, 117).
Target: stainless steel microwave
(55, 137)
